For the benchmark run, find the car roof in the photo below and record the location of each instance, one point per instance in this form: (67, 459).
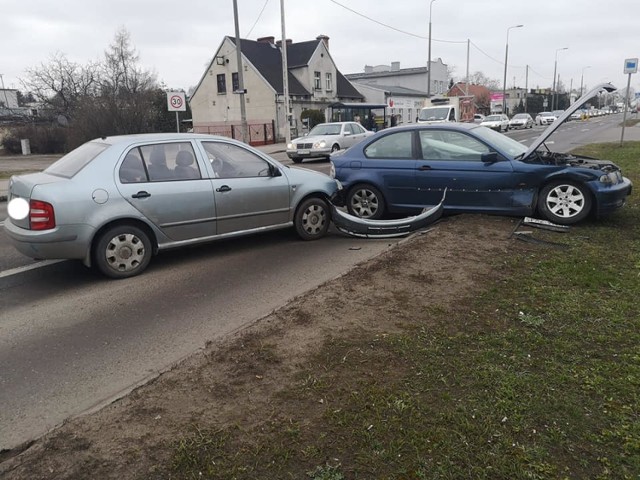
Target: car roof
(158, 137)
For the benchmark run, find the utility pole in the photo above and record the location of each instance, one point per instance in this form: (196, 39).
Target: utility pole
(429, 55)
(241, 92)
(467, 81)
(526, 88)
(285, 79)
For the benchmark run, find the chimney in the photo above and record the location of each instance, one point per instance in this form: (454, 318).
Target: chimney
(325, 39)
(279, 42)
(395, 66)
(266, 40)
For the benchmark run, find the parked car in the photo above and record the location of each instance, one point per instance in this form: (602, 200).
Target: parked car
(481, 170)
(326, 138)
(545, 118)
(478, 118)
(521, 120)
(497, 122)
(114, 202)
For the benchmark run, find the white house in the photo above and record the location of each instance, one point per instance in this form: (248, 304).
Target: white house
(314, 82)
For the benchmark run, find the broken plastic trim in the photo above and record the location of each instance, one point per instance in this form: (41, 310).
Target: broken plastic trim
(365, 228)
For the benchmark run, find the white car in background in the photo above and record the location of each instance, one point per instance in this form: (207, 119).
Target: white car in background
(498, 122)
(521, 120)
(545, 118)
(326, 138)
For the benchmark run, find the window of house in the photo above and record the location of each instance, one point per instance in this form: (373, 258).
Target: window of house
(235, 83)
(329, 82)
(317, 82)
(222, 83)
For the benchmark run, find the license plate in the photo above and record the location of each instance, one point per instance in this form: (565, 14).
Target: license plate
(303, 152)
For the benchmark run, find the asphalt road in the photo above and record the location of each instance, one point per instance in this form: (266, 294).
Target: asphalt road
(71, 340)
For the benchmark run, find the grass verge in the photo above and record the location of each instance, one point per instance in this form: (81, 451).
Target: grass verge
(538, 377)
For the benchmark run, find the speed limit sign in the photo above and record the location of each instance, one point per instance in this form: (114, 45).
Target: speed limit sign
(176, 102)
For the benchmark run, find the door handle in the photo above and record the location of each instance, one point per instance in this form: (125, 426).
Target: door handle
(141, 194)
(422, 168)
(223, 188)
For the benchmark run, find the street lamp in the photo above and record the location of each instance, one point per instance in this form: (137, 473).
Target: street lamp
(504, 82)
(582, 77)
(429, 57)
(555, 68)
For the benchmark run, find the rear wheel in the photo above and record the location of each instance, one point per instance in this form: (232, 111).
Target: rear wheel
(366, 201)
(312, 218)
(564, 202)
(122, 251)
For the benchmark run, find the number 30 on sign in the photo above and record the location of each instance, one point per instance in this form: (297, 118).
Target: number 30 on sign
(176, 102)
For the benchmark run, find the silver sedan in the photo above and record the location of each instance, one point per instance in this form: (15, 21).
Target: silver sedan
(114, 202)
(326, 138)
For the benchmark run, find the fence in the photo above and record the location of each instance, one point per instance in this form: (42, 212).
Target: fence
(259, 133)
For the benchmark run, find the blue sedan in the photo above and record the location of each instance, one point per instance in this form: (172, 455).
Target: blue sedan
(406, 168)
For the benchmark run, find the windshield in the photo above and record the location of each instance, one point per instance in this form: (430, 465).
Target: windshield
(501, 142)
(73, 161)
(493, 118)
(520, 116)
(546, 114)
(326, 129)
(435, 113)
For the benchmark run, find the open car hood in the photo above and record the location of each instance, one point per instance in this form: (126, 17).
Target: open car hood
(567, 113)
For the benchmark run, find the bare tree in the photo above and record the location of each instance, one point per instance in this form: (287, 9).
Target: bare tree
(60, 83)
(479, 78)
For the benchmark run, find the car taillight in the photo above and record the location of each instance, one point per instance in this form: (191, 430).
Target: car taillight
(41, 216)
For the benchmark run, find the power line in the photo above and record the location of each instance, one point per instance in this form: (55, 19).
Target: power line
(257, 19)
(392, 27)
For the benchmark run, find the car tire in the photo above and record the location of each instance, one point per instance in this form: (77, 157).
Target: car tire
(296, 159)
(122, 251)
(312, 218)
(335, 147)
(366, 201)
(564, 202)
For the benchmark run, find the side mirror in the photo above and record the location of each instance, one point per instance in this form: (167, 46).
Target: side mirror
(491, 157)
(274, 171)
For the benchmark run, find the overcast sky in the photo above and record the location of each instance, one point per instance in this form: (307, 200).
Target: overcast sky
(177, 40)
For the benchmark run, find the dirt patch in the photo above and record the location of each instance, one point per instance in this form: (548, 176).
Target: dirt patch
(238, 381)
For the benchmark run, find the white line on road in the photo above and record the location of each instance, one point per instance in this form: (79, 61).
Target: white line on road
(26, 268)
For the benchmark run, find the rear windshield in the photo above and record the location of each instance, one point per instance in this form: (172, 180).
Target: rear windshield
(76, 159)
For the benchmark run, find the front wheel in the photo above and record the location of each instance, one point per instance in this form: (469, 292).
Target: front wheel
(296, 159)
(312, 219)
(564, 202)
(365, 201)
(123, 251)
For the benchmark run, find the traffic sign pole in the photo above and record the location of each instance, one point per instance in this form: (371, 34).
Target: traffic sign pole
(630, 66)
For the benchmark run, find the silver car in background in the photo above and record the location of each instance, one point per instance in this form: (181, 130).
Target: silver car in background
(114, 202)
(326, 138)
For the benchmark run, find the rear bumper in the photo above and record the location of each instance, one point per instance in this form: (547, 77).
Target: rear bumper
(68, 242)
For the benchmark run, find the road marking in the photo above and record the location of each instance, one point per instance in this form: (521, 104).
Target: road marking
(27, 268)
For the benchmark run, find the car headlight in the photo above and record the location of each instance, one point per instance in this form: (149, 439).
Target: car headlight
(611, 178)
(289, 146)
(320, 144)
(332, 171)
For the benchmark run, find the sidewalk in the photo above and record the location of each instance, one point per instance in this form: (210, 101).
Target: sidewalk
(37, 163)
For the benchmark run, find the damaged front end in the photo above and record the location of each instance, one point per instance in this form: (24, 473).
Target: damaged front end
(364, 228)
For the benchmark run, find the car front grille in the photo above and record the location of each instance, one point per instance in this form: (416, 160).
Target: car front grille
(304, 145)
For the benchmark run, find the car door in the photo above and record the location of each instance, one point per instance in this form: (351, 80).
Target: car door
(357, 133)
(389, 164)
(453, 160)
(163, 181)
(250, 192)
